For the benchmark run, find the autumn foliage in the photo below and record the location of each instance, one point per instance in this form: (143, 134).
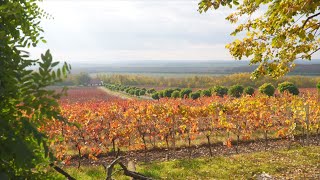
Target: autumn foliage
(97, 126)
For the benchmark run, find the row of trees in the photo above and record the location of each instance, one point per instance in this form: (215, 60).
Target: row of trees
(131, 90)
(204, 81)
(233, 91)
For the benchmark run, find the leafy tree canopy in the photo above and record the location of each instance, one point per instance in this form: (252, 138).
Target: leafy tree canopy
(25, 102)
(287, 30)
(83, 78)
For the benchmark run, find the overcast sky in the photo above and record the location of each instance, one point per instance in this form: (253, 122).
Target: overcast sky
(112, 30)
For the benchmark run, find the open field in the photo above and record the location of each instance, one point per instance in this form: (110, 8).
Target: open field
(204, 81)
(187, 68)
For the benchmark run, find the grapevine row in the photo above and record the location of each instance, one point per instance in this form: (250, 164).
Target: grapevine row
(100, 126)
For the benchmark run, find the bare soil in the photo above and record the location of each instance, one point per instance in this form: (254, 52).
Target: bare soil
(218, 149)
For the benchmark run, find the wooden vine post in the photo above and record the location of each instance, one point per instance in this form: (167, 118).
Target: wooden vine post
(290, 135)
(307, 122)
(174, 134)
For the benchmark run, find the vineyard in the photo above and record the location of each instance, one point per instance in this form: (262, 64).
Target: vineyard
(99, 123)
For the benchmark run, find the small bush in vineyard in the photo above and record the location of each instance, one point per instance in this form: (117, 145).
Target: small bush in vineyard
(219, 91)
(267, 89)
(235, 91)
(195, 95)
(185, 92)
(175, 94)
(288, 87)
(249, 90)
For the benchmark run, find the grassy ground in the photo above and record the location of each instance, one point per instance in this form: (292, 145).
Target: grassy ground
(297, 163)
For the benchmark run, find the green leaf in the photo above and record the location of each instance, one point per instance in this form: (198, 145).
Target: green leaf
(54, 64)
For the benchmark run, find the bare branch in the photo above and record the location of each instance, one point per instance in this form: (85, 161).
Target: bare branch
(315, 51)
(309, 18)
(132, 174)
(61, 171)
(127, 172)
(110, 167)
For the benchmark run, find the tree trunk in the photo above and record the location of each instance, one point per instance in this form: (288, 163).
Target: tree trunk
(303, 136)
(266, 139)
(154, 142)
(79, 155)
(145, 148)
(290, 141)
(209, 145)
(174, 135)
(190, 150)
(238, 139)
(167, 141)
(113, 147)
(307, 122)
(318, 135)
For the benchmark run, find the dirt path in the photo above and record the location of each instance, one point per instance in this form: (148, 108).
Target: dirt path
(123, 95)
(218, 149)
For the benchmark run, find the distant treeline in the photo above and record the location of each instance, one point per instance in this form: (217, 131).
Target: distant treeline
(205, 81)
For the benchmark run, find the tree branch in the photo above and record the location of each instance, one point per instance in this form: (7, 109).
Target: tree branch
(61, 171)
(127, 172)
(315, 51)
(110, 167)
(132, 174)
(309, 18)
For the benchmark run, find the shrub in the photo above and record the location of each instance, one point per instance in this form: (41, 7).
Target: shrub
(137, 92)
(155, 96)
(195, 95)
(185, 92)
(132, 91)
(175, 94)
(127, 90)
(167, 92)
(289, 87)
(249, 90)
(206, 93)
(151, 91)
(142, 93)
(235, 91)
(267, 89)
(219, 91)
(318, 86)
(161, 94)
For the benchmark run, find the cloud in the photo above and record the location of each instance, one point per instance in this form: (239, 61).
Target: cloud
(108, 30)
